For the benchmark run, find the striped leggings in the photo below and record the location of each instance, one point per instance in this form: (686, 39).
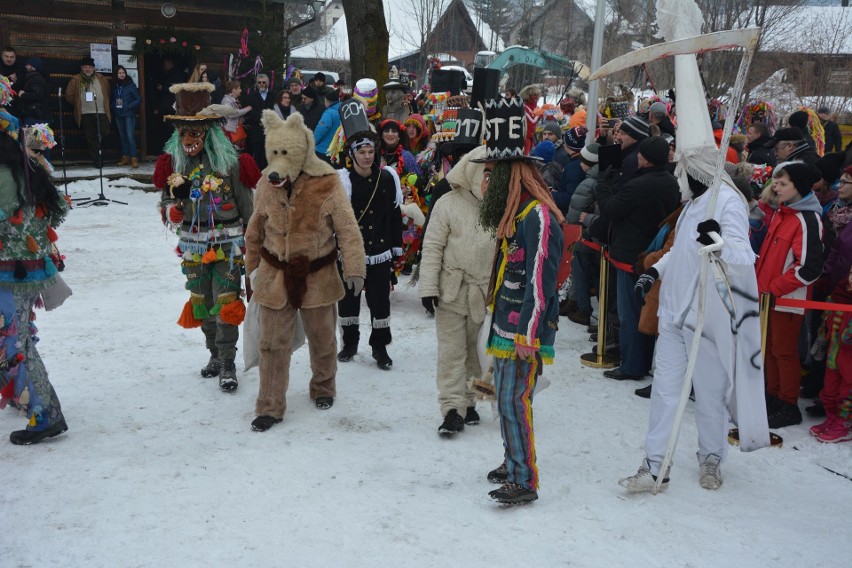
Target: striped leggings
(515, 381)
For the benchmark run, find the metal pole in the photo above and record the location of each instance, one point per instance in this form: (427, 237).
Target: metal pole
(597, 54)
(598, 359)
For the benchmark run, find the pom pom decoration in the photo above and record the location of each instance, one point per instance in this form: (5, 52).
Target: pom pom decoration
(209, 256)
(233, 313)
(32, 245)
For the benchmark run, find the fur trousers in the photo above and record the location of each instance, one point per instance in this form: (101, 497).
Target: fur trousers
(276, 335)
(457, 359)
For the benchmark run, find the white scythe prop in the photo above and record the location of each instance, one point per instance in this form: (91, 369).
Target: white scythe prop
(747, 40)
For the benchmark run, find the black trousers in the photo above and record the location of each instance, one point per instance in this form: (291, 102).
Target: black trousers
(377, 289)
(89, 125)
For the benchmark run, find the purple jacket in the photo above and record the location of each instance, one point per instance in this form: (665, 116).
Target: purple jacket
(839, 259)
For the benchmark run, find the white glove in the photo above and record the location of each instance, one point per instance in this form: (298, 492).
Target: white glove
(354, 283)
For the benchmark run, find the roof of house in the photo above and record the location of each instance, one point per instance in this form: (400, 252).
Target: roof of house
(403, 34)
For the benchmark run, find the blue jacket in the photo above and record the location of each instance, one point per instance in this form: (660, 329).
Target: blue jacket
(526, 302)
(572, 175)
(327, 127)
(130, 99)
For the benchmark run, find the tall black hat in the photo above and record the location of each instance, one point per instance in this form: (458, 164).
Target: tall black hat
(505, 130)
(353, 118)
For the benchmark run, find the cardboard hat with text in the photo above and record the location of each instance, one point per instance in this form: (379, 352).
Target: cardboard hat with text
(505, 130)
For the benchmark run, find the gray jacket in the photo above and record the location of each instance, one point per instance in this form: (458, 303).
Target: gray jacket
(584, 196)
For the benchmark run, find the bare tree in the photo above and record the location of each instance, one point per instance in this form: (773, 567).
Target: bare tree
(424, 14)
(368, 39)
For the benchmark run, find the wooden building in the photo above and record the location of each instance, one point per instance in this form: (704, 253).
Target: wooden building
(61, 32)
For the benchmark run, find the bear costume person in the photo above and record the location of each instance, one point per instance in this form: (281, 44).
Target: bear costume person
(301, 216)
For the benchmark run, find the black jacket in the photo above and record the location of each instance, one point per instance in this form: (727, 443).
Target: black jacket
(258, 105)
(635, 212)
(35, 102)
(378, 215)
(833, 138)
(760, 153)
(803, 153)
(666, 126)
(314, 114)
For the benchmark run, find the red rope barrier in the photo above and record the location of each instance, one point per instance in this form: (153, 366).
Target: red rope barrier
(812, 305)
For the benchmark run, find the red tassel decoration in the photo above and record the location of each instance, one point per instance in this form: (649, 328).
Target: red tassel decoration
(51, 234)
(17, 218)
(187, 319)
(233, 313)
(32, 245)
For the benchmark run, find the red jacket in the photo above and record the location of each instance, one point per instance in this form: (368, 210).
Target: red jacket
(791, 256)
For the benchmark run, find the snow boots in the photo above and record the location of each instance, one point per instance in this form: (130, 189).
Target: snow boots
(27, 437)
(134, 162)
(347, 353)
(228, 376)
(784, 414)
(123, 161)
(213, 367)
(324, 402)
(471, 417)
(513, 494)
(453, 423)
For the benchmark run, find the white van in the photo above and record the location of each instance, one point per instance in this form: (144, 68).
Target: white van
(330, 76)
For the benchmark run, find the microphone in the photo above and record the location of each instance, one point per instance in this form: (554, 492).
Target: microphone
(60, 92)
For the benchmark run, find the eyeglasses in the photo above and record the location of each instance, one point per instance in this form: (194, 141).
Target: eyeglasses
(845, 182)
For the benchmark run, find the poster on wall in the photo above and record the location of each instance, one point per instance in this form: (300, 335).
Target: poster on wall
(133, 74)
(125, 43)
(126, 60)
(102, 54)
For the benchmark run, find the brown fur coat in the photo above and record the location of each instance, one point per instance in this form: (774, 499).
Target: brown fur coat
(305, 224)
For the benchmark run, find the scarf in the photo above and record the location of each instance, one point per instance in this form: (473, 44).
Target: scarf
(839, 216)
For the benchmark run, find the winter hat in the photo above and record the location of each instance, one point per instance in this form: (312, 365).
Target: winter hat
(332, 95)
(36, 63)
(799, 119)
(743, 184)
(635, 127)
(803, 175)
(575, 138)
(544, 150)
(823, 110)
(553, 127)
(309, 92)
(655, 150)
(789, 134)
(589, 154)
(658, 107)
(87, 61)
(319, 76)
(830, 166)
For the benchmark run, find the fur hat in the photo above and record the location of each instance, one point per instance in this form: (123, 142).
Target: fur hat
(655, 150)
(589, 154)
(190, 100)
(635, 127)
(803, 175)
(544, 150)
(553, 127)
(575, 139)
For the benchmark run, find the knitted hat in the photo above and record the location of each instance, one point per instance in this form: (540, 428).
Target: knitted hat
(635, 127)
(655, 150)
(553, 127)
(823, 110)
(333, 95)
(319, 76)
(803, 175)
(544, 150)
(36, 63)
(87, 61)
(575, 138)
(367, 91)
(589, 154)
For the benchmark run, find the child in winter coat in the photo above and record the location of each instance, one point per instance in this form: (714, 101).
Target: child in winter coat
(836, 395)
(790, 260)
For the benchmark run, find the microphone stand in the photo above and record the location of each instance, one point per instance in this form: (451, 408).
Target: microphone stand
(62, 145)
(101, 199)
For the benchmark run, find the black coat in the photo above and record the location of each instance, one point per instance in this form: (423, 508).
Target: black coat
(34, 104)
(314, 114)
(760, 153)
(833, 138)
(635, 212)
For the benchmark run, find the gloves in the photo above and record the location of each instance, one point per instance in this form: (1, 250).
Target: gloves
(524, 351)
(645, 282)
(430, 302)
(175, 214)
(705, 227)
(182, 191)
(354, 283)
(820, 348)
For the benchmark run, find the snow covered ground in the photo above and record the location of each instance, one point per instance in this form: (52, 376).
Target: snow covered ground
(160, 468)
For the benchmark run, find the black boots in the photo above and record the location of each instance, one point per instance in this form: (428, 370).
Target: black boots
(264, 423)
(27, 437)
(228, 376)
(513, 494)
(347, 353)
(324, 402)
(383, 360)
(453, 424)
(213, 367)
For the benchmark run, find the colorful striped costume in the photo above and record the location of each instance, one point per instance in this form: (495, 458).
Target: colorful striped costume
(525, 305)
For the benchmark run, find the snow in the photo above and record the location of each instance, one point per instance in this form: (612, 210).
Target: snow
(160, 468)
